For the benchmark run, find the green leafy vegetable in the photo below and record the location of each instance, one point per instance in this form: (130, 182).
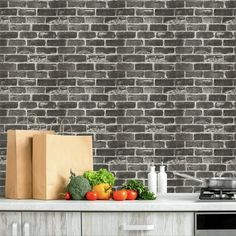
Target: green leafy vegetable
(78, 186)
(100, 177)
(143, 193)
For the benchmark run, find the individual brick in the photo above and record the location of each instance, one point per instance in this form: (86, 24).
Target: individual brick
(28, 34)
(217, 27)
(223, 12)
(174, 42)
(184, 35)
(217, 97)
(3, 4)
(66, 50)
(67, 34)
(86, 66)
(115, 42)
(126, 35)
(193, 128)
(214, 4)
(98, 27)
(175, 4)
(7, 66)
(36, 4)
(158, 27)
(145, 12)
(46, 12)
(204, 12)
(40, 27)
(116, 4)
(105, 12)
(8, 35)
(127, 11)
(26, 67)
(16, 58)
(164, 12)
(202, 66)
(66, 12)
(37, 42)
(184, 12)
(57, 4)
(8, 12)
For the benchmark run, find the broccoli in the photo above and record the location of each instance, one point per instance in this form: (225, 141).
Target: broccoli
(78, 186)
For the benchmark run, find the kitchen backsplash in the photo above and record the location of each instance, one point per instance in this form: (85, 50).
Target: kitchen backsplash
(151, 80)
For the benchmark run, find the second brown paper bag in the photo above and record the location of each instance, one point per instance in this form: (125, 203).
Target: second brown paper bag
(53, 158)
(19, 163)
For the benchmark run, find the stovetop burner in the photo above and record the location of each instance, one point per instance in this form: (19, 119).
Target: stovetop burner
(218, 194)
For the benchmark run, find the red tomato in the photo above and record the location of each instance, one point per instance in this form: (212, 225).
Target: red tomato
(67, 196)
(120, 195)
(131, 194)
(91, 196)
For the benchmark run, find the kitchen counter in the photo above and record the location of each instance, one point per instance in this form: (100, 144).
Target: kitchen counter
(168, 202)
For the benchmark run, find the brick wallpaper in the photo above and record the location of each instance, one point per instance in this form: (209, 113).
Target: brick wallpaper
(149, 79)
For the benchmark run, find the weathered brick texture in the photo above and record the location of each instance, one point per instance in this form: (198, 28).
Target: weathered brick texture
(151, 80)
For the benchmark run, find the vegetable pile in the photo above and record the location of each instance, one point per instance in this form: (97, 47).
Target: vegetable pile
(78, 187)
(97, 185)
(143, 193)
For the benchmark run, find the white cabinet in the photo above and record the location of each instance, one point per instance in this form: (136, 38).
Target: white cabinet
(138, 224)
(10, 223)
(51, 224)
(40, 224)
(96, 224)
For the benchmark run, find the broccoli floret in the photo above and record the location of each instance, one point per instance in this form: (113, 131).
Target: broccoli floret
(78, 186)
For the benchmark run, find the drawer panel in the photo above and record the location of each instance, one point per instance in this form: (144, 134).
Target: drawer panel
(137, 223)
(10, 223)
(51, 223)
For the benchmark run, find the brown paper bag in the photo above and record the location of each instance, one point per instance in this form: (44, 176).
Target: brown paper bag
(53, 158)
(19, 163)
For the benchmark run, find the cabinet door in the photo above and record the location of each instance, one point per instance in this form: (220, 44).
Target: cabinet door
(51, 224)
(10, 223)
(140, 224)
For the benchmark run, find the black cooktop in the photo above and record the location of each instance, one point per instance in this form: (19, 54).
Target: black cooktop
(218, 194)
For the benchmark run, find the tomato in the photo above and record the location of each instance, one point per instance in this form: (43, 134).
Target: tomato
(120, 195)
(91, 196)
(67, 196)
(131, 194)
(103, 191)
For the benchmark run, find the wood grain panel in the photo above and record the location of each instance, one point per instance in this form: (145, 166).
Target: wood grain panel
(7, 219)
(53, 223)
(111, 224)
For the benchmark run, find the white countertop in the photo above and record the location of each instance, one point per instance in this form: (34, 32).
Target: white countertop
(168, 202)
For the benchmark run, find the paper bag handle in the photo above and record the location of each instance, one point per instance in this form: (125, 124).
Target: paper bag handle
(62, 125)
(36, 121)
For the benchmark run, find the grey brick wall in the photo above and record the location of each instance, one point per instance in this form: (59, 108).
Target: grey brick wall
(149, 79)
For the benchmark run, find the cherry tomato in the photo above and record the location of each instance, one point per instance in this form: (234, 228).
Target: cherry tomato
(131, 194)
(67, 196)
(91, 196)
(120, 195)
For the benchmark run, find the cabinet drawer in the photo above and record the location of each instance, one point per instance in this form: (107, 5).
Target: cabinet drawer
(10, 223)
(137, 223)
(51, 223)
